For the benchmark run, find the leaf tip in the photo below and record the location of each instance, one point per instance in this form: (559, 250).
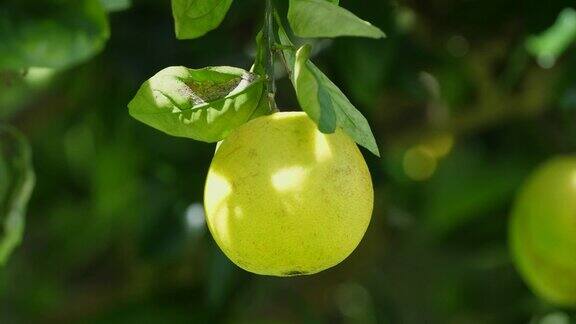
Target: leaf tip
(373, 148)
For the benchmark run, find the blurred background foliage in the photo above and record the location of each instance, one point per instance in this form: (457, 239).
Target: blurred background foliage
(465, 99)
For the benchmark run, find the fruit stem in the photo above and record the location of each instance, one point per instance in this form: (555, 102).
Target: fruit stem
(270, 41)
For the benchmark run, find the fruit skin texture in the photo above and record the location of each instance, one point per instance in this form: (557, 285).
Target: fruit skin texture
(283, 199)
(543, 231)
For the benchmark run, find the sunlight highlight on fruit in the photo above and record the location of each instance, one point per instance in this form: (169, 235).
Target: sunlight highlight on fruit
(222, 186)
(289, 178)
(322, 148)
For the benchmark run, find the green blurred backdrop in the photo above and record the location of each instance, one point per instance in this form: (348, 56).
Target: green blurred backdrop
(465, 99)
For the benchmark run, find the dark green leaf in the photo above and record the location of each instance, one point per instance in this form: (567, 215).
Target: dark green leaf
(51, 34)
(202, 104)
(16, 184)
(194, 18)
(321, 18)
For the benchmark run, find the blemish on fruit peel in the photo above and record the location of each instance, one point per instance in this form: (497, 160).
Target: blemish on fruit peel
(238, 212)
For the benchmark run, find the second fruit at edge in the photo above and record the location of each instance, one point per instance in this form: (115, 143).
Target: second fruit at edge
(543, 231)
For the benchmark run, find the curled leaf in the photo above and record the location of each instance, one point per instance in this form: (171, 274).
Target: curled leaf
(202, 104)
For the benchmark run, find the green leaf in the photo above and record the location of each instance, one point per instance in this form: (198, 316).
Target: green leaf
(16, 184)
(289, 54)
(52, 34)
(194, 18)
(259, 66)
(327, 105)
(321, 18)
(322, 100)
(312, 95)
(549, 45)
(116, 5)
(202, 104)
